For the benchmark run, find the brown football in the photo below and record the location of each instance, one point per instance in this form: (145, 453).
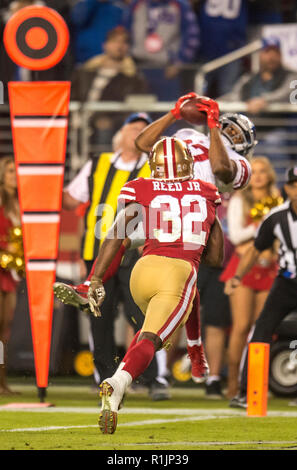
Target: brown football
(190, 113)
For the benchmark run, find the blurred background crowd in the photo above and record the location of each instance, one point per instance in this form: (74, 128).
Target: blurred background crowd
(140, 56)
(147, 52)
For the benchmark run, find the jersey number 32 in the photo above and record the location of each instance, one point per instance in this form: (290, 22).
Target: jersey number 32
(177, 220)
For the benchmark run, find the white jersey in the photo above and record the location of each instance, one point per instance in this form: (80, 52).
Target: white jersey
(198, 144)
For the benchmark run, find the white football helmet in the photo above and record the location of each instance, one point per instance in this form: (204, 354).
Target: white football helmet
(240, 133)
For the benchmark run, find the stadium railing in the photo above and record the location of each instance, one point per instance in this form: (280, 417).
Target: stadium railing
(276, 130)
(215, 64)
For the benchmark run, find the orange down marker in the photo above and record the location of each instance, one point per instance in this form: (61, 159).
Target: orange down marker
(258, 376)
(39, 118)
(37, 38)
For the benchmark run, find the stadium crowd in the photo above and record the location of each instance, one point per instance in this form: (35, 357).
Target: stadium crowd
(155, 48)
(163, 34)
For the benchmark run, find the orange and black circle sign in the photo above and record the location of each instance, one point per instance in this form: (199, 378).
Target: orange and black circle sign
(36, 38)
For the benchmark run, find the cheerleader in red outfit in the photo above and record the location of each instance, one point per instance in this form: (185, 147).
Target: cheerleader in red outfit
(248, 300)
(9, 217)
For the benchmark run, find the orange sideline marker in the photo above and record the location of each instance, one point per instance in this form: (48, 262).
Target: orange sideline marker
(39, 117)
(258, 374)
(37, 38)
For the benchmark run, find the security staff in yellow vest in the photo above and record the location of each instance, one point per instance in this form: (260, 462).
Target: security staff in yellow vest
(99, 182)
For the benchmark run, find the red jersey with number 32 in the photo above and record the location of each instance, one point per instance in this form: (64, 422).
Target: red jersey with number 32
(177, 216)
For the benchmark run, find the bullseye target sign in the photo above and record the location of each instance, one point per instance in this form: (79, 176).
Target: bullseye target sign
(36, 38)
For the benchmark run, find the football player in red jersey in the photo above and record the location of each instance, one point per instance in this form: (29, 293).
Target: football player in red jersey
(221, 155)
(221, 159)
(178, 214)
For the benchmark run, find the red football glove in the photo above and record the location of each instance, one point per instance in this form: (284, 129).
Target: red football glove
(176, 110)
(211, 108)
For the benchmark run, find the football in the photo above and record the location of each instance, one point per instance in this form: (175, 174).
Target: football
(190, 113)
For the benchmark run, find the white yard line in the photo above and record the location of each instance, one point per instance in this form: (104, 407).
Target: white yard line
(126, 410)
(200, 417)
(134, 423)
(146, 411)
(49, 428)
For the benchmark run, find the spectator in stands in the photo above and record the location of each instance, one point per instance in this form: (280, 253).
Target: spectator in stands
(164, 35)
(270, 85)
(223, 27)
(248, 300)
(91, 21)
(110, 76)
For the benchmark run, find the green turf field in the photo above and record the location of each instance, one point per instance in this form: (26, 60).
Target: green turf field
(186, 422)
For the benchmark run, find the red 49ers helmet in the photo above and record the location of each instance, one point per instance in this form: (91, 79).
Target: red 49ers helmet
(170, 159)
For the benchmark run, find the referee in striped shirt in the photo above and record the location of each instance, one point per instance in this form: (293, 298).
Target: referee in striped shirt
(280, 224)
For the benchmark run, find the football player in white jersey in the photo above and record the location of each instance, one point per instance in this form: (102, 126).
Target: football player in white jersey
(235, 131)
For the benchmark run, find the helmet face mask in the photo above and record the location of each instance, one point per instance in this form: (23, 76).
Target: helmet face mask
(240, 133)
(171, 160)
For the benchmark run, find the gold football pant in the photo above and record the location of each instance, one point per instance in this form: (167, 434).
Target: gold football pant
(164, 289)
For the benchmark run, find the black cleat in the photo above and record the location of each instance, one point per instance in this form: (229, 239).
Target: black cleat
(159, 391)
(239, 401)
(213, 390)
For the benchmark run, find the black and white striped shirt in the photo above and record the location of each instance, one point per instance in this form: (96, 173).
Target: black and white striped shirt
(281, 224)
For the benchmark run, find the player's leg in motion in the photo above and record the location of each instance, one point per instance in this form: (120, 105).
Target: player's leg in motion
(195, 349)
(164, 290)
(112, 390)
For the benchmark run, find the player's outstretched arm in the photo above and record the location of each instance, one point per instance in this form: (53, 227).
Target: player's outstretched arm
(107, 252)
(149, 136)
(222, 166)
(213, 254)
